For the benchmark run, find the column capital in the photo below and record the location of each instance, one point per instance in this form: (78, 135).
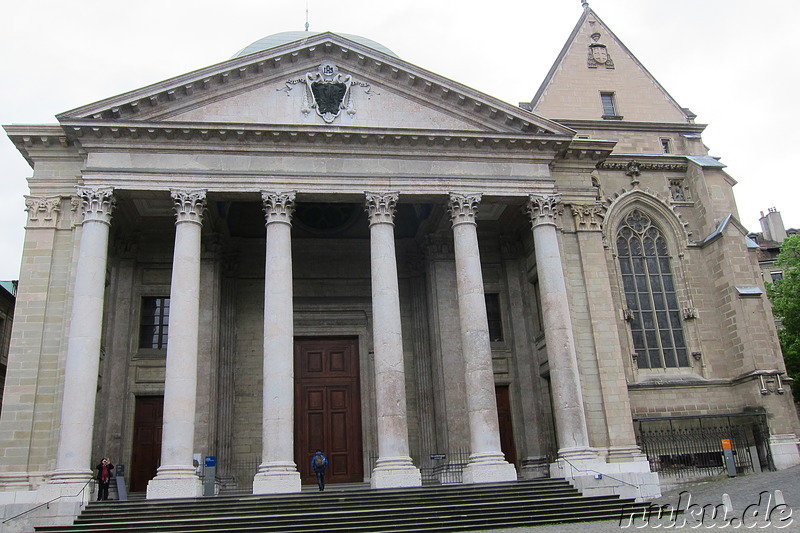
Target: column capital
(278, 206)
(189, 205)
(543, 208)
(43, 211)
(381, 207)
(97, 203)
(464, 208)
(588, 217)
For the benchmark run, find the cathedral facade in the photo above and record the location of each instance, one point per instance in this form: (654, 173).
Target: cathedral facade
(317, 245)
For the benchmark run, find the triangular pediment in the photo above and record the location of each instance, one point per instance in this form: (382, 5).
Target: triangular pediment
(595, 61)
(274, 87)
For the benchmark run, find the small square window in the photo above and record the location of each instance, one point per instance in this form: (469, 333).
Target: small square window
(666, 145)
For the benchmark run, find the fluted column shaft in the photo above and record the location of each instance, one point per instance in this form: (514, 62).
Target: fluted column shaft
(393, 467)
(278, 472)
(486, 463)
(565, 382)
(73, 460)
(176, 476)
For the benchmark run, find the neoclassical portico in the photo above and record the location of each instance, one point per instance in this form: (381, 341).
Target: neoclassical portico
(463, 323)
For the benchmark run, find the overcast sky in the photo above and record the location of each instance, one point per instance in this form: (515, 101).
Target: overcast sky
(734, 63)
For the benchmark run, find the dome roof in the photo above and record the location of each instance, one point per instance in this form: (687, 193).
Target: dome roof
(277, 39)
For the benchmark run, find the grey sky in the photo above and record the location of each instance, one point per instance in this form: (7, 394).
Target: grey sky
(732, 62)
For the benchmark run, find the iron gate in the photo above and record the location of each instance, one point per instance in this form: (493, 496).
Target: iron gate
(691, 447)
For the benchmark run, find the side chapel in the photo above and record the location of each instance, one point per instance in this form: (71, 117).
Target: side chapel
(318, 245)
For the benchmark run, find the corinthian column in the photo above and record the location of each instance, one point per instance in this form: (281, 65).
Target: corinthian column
(73, 461)
(278, 472)
(393, 467)
(565, 384)
(486, 461)
(176, 477)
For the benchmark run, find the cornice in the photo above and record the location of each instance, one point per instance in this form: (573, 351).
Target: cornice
(28, 138)
(587, 151)
(615, 125)
(645, 162)
(89, 130)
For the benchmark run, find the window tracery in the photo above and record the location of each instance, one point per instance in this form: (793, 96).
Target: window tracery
(650, 293)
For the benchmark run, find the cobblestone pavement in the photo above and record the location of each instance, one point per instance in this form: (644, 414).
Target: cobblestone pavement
(750, 508)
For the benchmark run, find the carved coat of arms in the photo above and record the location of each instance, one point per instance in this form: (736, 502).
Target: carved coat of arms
(598, 53)
(328, 91)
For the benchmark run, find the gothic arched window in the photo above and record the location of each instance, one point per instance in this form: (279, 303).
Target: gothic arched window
(650, 293)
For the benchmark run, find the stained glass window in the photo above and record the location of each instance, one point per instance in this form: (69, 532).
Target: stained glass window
(650, 293)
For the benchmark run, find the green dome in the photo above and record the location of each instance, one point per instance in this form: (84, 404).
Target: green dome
(278, 39)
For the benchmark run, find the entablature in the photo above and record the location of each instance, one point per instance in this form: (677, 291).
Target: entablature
(133, 134)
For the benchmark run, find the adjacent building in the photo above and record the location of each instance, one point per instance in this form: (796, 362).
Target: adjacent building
(318, 245)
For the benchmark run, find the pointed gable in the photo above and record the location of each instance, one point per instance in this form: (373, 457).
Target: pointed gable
(595, 62)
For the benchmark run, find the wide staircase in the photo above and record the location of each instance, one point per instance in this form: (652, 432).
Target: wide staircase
(444, 508)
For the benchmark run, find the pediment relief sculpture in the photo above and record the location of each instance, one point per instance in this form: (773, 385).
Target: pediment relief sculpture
(327, 91)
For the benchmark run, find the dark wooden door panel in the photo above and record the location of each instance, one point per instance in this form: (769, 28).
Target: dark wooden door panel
(146, 456)
(328, 409)
(506, 428)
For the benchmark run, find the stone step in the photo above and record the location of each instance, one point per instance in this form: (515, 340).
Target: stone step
(451, 508)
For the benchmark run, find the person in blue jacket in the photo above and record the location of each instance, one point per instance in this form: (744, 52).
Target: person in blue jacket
(318, 464)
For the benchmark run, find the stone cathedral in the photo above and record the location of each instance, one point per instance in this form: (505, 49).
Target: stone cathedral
(318, 245)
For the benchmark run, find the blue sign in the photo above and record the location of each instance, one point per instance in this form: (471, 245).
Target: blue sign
(211, 460)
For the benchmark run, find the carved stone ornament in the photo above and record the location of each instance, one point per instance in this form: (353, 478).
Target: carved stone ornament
(464, 208)
(278, 206)
(327, 91)
(380, 207)
(679, 191)
(42, 211)
(544, 208)
(589, 216)
(189, 205)
(76, 211)
(439, 246)
(636, 167)
(598, 54)
(97, 203)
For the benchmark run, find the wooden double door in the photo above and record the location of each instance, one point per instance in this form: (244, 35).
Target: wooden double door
(328, 408)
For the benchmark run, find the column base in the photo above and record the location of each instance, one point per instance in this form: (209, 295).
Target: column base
(595, 477)
(625, 454)
(534, 467)
(784, 450)
(395, 472)
(23, 510)
(276, 478)
(15, 481)
(488, 468)
(69, 488)
(175, 482)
